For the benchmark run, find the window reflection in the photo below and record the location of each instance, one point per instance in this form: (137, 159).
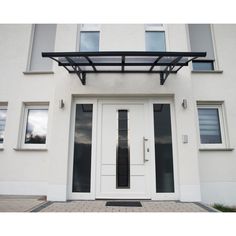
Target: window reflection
(155, 41)
(89, 41)
(82, 148)
(36, 127)
(3, 114)
(163, 148)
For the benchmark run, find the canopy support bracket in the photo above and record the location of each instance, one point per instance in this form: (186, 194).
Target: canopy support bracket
(77, 70)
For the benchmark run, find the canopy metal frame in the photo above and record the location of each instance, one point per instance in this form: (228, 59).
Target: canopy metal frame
(83, 63)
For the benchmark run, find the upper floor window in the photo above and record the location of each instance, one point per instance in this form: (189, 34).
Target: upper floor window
(43, 40)
(3, 115)
(89, 38)
(155, 37)
(200, 36)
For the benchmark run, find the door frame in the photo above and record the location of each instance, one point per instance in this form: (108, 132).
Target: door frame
(91, 195)
(96, 148)
(154, 194)
(120, 101)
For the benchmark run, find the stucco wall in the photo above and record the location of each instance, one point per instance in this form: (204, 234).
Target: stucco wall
(46, 172)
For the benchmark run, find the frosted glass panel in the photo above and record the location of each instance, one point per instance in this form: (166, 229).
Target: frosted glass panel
(43, 41)
(155, 41)
(89, 41)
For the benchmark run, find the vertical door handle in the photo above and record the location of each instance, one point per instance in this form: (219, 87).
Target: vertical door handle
(145, 149)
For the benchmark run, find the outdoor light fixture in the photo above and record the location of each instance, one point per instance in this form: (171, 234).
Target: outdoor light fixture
(61, 104)
(184, 103)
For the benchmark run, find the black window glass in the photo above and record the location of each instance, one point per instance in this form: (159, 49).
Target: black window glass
(163, 149)
(82, 148)
(123, 165)
(36, 127)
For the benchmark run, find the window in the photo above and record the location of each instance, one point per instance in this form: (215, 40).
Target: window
(3, 114)
(43, 40)
(34, 133)
(155, 38)
(88, 38)
(211, 125)
(200, 36)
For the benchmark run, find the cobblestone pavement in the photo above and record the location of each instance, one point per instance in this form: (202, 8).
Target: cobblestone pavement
(19, 203)
(38, 204)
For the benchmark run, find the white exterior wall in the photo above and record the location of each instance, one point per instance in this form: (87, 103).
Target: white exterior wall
(207, 176)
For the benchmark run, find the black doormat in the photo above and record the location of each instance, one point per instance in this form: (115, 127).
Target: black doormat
(124, 203)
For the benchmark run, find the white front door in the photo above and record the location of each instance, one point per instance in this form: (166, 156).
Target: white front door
(123, 150)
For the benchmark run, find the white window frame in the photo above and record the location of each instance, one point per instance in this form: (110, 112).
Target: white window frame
(215, 62)
(29, 59)
(222, 121)
(3, 107)
(28, 107)
(158, 28)
(87, 28)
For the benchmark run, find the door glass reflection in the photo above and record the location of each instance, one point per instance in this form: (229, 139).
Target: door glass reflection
(122, 165)
(82, 148)
(163, 148)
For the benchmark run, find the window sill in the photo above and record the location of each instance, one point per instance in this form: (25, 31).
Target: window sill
(37, 72)
(216, 149)
(207, 71)
(31, 149)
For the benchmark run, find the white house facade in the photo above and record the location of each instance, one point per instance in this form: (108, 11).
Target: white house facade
(160, 125)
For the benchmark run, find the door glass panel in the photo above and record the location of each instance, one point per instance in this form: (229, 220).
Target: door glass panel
(163, 148)
(82, 148)
(122, 160)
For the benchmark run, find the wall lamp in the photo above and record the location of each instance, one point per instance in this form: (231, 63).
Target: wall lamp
(61, 104)
(184, 104)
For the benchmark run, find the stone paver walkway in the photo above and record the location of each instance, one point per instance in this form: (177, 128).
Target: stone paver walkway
(19, 203)
(147, 206)
(38, 204)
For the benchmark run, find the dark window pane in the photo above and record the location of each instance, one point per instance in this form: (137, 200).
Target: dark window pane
(122, 165)
(155, 41)
(82, 148)
(36, 128)
(163, 149)
(3, 113)
(209, 125)
(203, 65)
(89, 41)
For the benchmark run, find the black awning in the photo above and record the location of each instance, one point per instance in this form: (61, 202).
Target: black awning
(163, 63)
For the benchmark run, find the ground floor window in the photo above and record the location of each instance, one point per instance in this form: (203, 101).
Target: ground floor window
(3, 115)
(211, 125)
(35, 126)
